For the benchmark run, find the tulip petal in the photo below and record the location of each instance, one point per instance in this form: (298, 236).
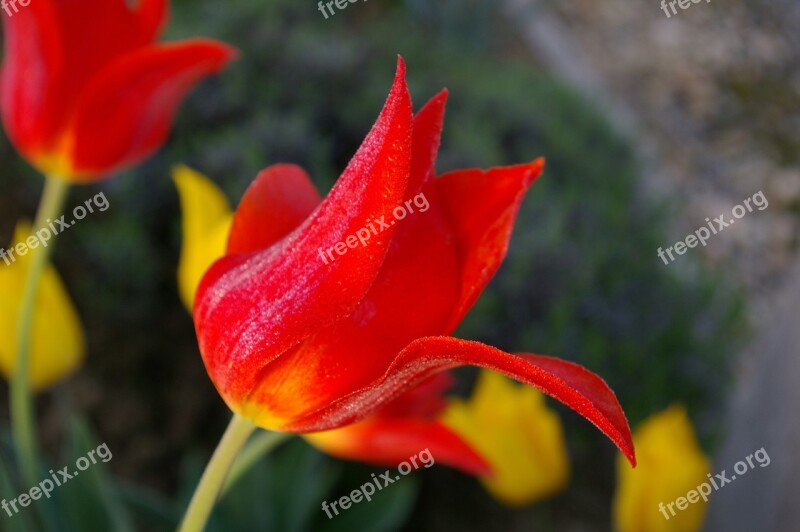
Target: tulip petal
(392, 441)
(251, 308)
(412, 297)
(428, 124)
(207, 219)
(30, 77)
(152, 17)
(671, 464)
(401, 429)
(481, 207)
(522, 439)
(57, 345)
(50, 60)
(573, 385)
(125, 112)
(275, 204)
(123, 29)
(424, 401)
(429, 279)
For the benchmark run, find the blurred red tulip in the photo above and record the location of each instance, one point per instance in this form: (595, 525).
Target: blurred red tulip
(85, 89)
(298, 344)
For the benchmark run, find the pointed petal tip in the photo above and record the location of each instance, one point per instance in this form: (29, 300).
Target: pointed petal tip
(630, 455)
(441, 96)
(400, 84)
(218, 52)
(401, 67)
(536, 168)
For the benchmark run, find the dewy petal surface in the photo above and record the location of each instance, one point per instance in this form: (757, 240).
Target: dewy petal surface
(252, 308)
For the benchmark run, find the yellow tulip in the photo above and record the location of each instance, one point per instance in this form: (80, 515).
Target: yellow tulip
(523, 440)
(207, 219)
(57, 345)
(670, 465)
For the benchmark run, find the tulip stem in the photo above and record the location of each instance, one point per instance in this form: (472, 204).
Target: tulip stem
(261, 445)
(207, 492)
(21, 399)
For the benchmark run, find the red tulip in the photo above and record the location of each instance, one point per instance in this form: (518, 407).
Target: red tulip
(300, 344)
(85, 89)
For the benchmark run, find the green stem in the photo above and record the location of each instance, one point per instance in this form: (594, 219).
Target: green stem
(21, 400)
(261, 445)
(207, 492)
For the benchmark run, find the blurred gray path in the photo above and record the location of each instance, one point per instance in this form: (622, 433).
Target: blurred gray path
(765, 412)
(764, 408)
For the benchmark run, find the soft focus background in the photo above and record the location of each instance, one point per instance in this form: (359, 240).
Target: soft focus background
(649, 126)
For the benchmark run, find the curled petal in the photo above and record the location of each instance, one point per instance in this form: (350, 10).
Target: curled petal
(573, 385)
(401, 429)
(424, 401)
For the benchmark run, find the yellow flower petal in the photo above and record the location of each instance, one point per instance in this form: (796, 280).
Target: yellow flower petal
(515, 431)
(670, 464)
(207, 219)
(58, 345)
